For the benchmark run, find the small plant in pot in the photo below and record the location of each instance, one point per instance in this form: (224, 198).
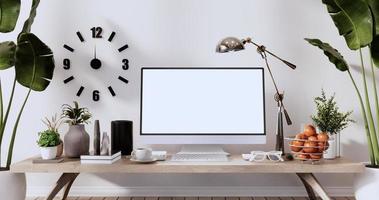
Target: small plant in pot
(53, 124)
(76, 139)
(48, 141)
(329, 120)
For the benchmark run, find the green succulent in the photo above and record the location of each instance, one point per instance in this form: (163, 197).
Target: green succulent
(48, 138)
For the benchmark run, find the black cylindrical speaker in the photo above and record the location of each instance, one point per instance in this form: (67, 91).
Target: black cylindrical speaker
(122, 136)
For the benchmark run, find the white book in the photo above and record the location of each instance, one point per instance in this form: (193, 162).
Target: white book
(96, 157)
(97, 161)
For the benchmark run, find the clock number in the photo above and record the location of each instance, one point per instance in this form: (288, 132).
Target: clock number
(96, 95)
(96, 32)
(66, 64)
(125, 65)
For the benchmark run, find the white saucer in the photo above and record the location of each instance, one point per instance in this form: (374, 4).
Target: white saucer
(143, 161)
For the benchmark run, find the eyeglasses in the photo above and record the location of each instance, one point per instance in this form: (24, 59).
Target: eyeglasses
(259, 156)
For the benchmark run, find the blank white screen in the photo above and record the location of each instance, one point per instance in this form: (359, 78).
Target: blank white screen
(202, 101)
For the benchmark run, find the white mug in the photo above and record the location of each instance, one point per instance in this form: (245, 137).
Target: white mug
(142, 154)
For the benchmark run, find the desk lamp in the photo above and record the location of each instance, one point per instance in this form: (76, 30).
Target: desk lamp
(230, 44)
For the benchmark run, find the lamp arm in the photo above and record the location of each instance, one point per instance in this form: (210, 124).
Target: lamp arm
(278, 96)
(248, 40)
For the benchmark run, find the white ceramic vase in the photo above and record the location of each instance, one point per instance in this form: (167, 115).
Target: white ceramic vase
(48, 153)
(12, 185)
(366, 184)
(331, 152)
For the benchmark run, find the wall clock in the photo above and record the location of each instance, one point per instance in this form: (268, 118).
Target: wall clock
(94, 63)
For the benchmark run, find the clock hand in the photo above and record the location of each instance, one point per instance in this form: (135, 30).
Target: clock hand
(95, 63)
(95, 51)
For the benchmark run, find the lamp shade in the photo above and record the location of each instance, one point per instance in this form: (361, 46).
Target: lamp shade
(230, 44)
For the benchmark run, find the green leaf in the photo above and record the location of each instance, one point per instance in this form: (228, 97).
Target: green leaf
(33, 12)
(353, 20)
(32, 53)
(9, 12)
(334, 56)
(374, 7)
(374, 48)
(7, 50)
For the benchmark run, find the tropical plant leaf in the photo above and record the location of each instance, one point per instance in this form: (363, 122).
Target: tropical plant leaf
(374, 7)
(334, 56)
(32, 55)
(353, 20)
(9, 12)
(33, 12)
(7, 50)
(374, 48)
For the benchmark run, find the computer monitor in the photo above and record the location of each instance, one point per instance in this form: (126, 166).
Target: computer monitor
(202, 105)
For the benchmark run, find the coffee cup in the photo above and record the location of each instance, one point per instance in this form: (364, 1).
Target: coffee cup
(142, 154)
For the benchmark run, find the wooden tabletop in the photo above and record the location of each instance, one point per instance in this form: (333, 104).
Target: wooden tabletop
(235, 165)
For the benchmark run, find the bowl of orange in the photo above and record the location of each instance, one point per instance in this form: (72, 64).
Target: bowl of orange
(308, 145)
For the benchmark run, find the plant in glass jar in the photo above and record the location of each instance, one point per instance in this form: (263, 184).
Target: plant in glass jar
(329, 119)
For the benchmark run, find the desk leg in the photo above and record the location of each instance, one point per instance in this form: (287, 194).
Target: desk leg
(313, 186)
(66, 181)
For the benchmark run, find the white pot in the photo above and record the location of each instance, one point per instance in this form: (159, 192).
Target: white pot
(366, 184)
(48, 153)
(331, 152)
(12, 186)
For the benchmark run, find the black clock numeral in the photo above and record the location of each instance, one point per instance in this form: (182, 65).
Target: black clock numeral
(66, 64)
(125, 65)
(96, 95)
(96, 32)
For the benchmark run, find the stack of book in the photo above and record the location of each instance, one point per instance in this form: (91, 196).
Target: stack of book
(97, 159)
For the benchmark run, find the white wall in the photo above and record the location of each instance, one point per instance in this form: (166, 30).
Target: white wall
(185, 33)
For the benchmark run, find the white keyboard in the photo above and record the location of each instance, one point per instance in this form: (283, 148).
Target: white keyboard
(199, 158)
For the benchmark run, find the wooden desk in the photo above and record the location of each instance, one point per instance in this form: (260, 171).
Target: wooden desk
(71, 168)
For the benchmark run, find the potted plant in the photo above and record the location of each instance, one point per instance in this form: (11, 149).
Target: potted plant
(53, 125)
(76, 139)
(358, 22)
(329, 120)
(48, 142)
(33, 63)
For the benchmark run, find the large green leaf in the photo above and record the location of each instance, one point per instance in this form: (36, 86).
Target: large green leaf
(334, 56)
(353, 21)
(374, 7)
(374, 48)
(7, 50)
(32, 55)
(9, 12)
(33, 12)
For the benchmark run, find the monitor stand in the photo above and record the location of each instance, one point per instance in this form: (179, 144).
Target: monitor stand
(202, 149)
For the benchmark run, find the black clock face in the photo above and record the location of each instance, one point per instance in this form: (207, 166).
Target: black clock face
(94, 62)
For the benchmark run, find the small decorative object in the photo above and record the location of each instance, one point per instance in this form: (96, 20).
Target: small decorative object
(122, 136)
(53, 124)
(76, 139)
(308, 145)
(330, 121)
(105, 145)
(96, 138)
(96, 62)
(48, 141)
(230, 44)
